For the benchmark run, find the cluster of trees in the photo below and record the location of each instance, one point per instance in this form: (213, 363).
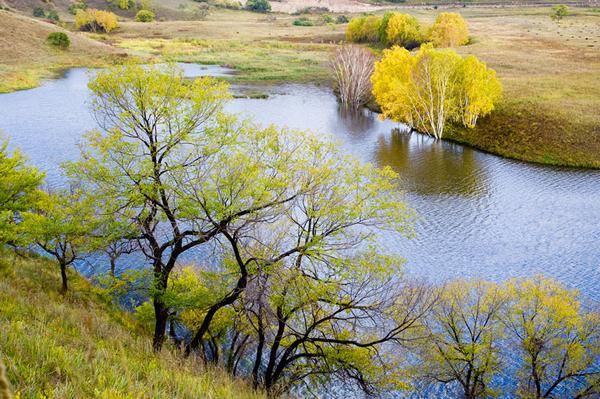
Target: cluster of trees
(258, 5)
(431, 88)
(49, 13)
(352, 67)
(95, 20)
(295, 293)
(397, 29)
(534, 329)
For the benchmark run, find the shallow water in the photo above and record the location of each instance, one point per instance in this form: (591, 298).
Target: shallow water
(479, 215)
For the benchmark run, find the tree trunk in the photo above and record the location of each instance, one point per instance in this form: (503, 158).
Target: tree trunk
(63, 276)
(161, 314)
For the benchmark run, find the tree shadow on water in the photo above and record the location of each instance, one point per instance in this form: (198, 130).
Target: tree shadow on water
(428, 166)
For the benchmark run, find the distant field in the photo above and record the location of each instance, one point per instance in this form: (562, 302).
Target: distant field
(25, 57)
(550, 71)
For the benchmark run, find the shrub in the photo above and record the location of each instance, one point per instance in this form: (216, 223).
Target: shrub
(327, 19)
(53, 15)
(258, 5)
(342, 19)
(363, 29)
(382, 34)
(449, 30)
(76, 6)
(303, 22)
(352, 67)
(559, 12)
(144, 16)
(39, 12)
(124, 4)
(59, 39)
(96, 20)
(229, 4)
(403, 30)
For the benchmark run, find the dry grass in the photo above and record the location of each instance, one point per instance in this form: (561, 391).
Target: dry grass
(82, 346)
(551, 76)
(25, 57)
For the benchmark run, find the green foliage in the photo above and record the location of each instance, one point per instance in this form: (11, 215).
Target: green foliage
(258, 5)
(19, 194)
(52, 15)
(228, 4)
(383, 27)
(431, 88)
(342, 19)
(63, 226)
(77, 5)
(558, 341)
(39, 12)
(391, 29)
(363, 29)
(462, 342)
(144, 16)
(559, 12)
(303, 21)
(83, 346)
(59, 39)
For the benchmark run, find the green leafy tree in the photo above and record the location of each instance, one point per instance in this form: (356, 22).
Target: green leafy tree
(144, 16)
(19, 193)
(559, 12)
(463, 333)
(64, 227)
(558, 341)
(59, 39)
(258, 5)
(151, 118)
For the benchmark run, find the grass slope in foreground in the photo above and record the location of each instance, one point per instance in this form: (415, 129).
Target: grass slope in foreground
(82, 346)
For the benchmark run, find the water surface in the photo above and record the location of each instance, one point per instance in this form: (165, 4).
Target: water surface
(479, 215)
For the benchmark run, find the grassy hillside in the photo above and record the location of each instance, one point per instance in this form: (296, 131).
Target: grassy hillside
(82, 346)
(26, 57)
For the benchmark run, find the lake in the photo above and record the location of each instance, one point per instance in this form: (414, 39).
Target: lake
(479, 215)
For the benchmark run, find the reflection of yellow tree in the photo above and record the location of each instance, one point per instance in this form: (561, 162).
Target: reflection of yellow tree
(430, 167)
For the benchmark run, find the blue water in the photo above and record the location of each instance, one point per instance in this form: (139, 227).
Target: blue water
(479, 215)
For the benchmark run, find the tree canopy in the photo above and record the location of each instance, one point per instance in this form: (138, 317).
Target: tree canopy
(431, 88)
(449, 30)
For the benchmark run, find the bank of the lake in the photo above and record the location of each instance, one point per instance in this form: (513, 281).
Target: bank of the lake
(83, 346)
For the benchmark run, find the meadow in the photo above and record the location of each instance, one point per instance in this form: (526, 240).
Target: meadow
(84, 345)
(549, 70)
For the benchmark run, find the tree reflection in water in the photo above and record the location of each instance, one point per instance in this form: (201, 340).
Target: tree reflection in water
(428, 166)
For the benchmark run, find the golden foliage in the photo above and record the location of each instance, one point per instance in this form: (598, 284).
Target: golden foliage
(96, 20)
(363, 29)
(403, 30)
(449, 30)
(432, 87)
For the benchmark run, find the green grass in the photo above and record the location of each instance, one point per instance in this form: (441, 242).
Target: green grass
(82, 346)
(270, 61)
